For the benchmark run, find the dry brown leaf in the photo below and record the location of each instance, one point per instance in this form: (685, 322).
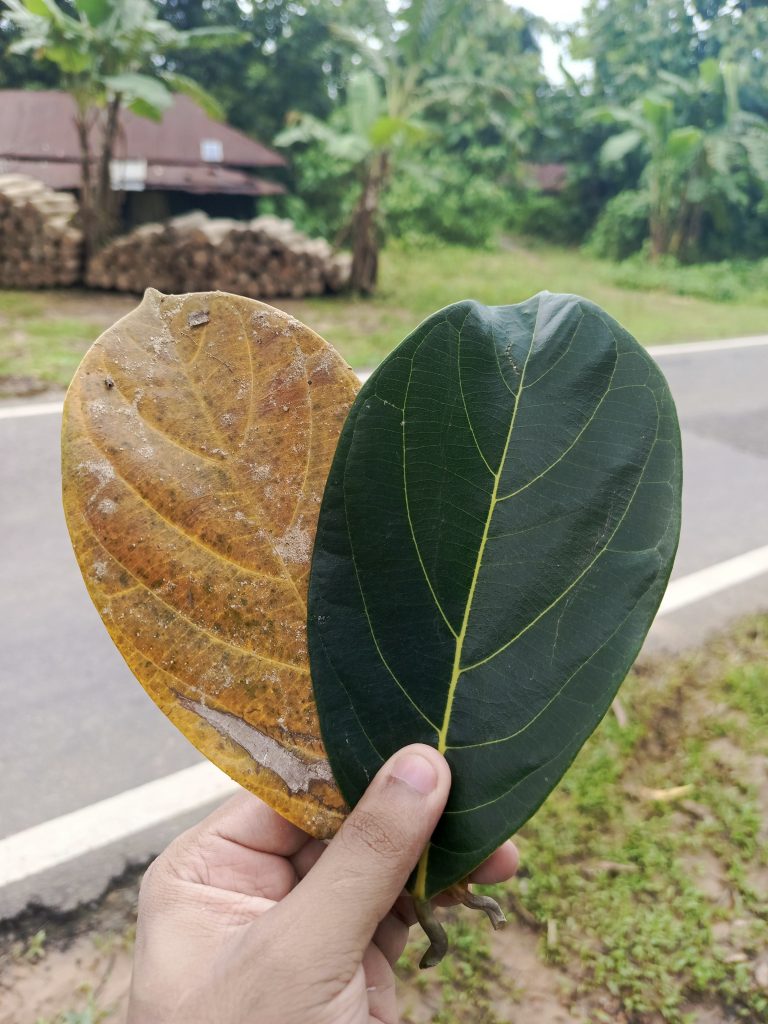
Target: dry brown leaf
(197, 437)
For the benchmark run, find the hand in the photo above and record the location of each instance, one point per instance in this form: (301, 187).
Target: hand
(244, 919)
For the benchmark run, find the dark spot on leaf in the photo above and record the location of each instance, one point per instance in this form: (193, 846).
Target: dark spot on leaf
(197, 319)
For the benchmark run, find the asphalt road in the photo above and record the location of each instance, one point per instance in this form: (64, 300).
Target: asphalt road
(75, 727)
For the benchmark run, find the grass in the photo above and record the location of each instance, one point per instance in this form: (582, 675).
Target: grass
(37, 343)
(416, 283)
(42, 338)
(658, 905)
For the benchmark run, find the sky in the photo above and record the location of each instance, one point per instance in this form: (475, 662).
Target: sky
(554, 10)
(562, 12)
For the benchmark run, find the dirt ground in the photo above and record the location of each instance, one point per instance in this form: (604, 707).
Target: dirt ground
(86, 964)
(80, 974)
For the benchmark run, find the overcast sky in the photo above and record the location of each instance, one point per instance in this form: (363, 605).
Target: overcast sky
(553, 10)
(562, 12)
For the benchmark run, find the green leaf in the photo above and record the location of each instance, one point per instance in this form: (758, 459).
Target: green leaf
(95, 11)
(141, 108)
(38, 7)
(364, 102)
(682, 143)
(189, 87)
(496, 533)
(386, 130)
(148, 92)
(618, 146)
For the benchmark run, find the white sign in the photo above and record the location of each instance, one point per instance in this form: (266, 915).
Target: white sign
(128, 175)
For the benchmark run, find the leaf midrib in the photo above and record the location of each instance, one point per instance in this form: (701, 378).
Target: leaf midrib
(442, 745)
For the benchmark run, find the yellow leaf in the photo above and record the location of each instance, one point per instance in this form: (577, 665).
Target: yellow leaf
(197, 437)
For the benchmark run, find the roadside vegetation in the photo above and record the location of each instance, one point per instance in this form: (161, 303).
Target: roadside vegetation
(43, 335)
(642, 896)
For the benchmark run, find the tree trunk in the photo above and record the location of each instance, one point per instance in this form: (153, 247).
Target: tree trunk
(656, 225)
(105, 199)
(86, 180)
(365, 228)
(98, 206)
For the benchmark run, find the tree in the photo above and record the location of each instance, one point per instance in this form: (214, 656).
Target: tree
(690, 167)
(631, 41)
(288, 58)
(404, 50)
(111, 54)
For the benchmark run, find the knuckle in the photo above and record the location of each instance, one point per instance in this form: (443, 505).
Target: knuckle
(368, 831)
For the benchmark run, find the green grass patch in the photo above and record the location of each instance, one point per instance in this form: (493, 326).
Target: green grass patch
(41, 338)
(658, 904)
(733, 281)
(414, 283)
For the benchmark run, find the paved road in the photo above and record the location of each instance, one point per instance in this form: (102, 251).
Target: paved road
(75, 727)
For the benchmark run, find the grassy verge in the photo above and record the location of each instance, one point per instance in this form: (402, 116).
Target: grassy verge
(646, 874)
(43, 335)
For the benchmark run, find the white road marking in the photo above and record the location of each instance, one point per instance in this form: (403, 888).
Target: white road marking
(59, 840)
(17, 412)
(686, 348)
(706, 582)
(63, 839)
(683, 348)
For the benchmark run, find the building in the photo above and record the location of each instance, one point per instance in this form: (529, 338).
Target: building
(187, 161)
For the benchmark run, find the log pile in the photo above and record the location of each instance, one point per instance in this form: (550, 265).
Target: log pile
(39, 245)
(260, 258)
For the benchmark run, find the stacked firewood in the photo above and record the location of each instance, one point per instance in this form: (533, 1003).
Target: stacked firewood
(39, 245)
(260, 258)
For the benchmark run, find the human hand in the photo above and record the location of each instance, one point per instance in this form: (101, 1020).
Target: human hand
(245, 919)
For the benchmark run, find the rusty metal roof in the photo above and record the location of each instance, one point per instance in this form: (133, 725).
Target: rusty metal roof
(546, 177)
(204, 179)
(39, 125)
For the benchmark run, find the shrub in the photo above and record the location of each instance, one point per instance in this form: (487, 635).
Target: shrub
(726, 281)
(555, 218)
(446, 201)
(622, 227)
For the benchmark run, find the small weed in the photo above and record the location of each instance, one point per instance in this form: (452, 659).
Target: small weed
(35, 949)
(91, 1013)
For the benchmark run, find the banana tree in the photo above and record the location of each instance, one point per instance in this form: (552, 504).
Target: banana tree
(692, 167)
(112, 55)
(401, 47)
(363, 135)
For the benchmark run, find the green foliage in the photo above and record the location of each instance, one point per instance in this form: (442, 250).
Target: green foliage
(622, 227)
(554, 218)
(440, 199)
(107, 49)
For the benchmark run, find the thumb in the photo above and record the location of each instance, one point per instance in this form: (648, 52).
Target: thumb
(362, 872)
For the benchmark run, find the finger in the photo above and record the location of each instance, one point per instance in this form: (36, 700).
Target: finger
(237, 848)
(249, 822)
(308, 856)
(500, 866)
(360, 875)
(380, 985)
(391, 936)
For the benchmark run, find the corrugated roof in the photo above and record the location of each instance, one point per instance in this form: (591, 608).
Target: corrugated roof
(40, 126)
(204, 179)
(546, 177)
